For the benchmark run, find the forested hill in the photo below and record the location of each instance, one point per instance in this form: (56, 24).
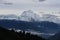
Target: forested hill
(12, 35)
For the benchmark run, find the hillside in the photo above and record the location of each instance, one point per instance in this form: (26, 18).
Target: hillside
(43, 28)
(12, 35)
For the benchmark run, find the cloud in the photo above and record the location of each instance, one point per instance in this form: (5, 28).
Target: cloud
(1, 1)
(5, 2)
(30, 4)
(8, 3)
(41, 0)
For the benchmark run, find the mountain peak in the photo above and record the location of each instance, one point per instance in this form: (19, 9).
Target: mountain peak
(29, 16)
(29, 11)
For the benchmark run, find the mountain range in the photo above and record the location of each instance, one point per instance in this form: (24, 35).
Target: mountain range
(46, 26)
(43, 28)
(30, 16)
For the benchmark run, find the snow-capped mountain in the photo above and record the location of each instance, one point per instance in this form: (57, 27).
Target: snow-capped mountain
(29, 16)
(50, 18)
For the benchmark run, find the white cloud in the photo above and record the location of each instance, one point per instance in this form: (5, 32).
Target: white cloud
(9, 11)
(32, 4)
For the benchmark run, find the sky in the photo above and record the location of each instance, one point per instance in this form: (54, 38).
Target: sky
(18, 6)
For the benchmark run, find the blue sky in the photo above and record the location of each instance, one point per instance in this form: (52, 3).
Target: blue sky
(36, 5)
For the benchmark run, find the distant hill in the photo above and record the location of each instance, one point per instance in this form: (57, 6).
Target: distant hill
(12, 35)
(43, 28)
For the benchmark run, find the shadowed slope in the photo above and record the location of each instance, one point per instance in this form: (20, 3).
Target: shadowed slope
(11, 35)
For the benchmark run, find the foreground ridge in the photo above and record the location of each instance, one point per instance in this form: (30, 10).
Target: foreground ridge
(12, 35)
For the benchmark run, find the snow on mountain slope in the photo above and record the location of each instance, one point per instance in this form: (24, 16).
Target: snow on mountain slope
(29, 16)
(50, 18)
(9, 17)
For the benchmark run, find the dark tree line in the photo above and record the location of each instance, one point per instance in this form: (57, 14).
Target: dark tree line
(28, 36)
(12, 35)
